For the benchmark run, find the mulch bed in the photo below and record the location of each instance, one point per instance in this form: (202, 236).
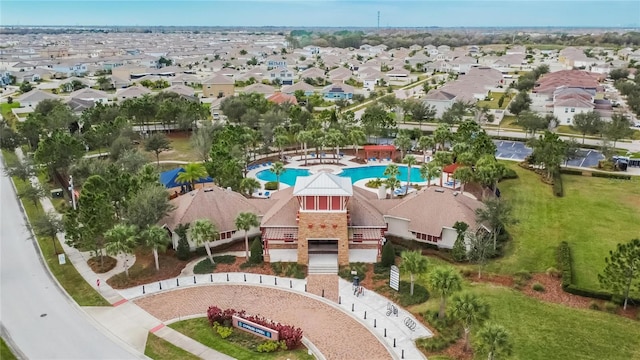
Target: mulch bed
(108, 263)
(264, 268)
(456, 351)
(144, 269)
(502, 280)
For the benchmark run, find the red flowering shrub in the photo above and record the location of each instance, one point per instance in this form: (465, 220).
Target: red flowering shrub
(291, 335)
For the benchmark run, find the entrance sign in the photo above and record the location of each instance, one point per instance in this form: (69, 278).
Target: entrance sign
(255, 329)
(394, 278)
(61, 259)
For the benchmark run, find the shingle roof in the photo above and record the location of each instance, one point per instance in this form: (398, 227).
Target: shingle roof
(323, 183)
(36, 95)
(439, 95)
(429, 211)
(216, 204)
(219, 79)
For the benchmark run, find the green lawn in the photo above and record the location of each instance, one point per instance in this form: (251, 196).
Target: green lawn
(510, 121)
(542, 330)
(237, 345)
(493, 103)
(5, 109)
(549, 331)
(5, 352)
(594, 215)
(159, 349)
(66, 274)
(181, 149)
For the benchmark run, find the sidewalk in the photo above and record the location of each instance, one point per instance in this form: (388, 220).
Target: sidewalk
(124, 320)
(396, 327)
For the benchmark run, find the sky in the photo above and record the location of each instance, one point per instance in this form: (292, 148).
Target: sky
(325, 13)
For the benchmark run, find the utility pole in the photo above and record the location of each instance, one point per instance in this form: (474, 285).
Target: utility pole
(378, 19)
(73, 194)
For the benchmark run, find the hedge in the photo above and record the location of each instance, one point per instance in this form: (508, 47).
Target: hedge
(610, 175)
(565, 264)
(271, 185)
(569, 171)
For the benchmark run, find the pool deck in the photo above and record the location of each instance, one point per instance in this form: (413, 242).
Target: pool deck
(297, 161)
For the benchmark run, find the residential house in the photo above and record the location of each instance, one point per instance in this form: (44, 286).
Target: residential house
(132, 92)
(182, 90)
(440, 100)
(282, 75)
(89, 94)
(32, 98)
(78, 106)
(302, 86)
(312, 73)
(338, 91)
(120, 83)
(218, 86)
(282, 98)
(339, 74)
(70, 68)
(276, 62)
(574, 58)
(398, 74)
(259, 88)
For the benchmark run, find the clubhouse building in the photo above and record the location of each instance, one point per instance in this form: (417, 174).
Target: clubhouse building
(325, 214)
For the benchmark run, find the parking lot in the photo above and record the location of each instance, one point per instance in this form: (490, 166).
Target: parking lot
(515, 150)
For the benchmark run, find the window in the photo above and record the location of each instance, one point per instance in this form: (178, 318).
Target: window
(335, 203)
(309, 203)
(566, 110)
(357, 237)
(288, 237)
(323, 203)
(573, 110)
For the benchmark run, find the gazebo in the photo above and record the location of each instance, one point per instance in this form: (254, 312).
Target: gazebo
(449, 170)
(377, 151)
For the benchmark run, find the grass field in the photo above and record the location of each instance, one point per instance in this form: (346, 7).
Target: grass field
(66, 274)
(594, 215)
(493, 103)
(510, 121)
(181, 149)
(5, 352)
(540, 330)
(159, 349)
(237, 345)
(549, 331)
(5, 109)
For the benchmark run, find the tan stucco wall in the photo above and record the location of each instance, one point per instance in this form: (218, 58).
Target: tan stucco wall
(212, 90)
(329, 219)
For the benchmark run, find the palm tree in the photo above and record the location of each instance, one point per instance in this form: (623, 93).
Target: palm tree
(424, 144)
(490, 172)
(334, 137)
(305, 137)
(429, 171)
(121, 240)
(497, 214)
(201, 232)
(493, 339)
(248, 185)
(465, 175)
(442, 134)
(403, 142)
(392, 172)
(278, 169)
(157, 239)
(192, 173)
(445, 281)
(281, 141)
(245, 221)
(414, 263)
(357, 137)
(468, 308)
(410, 160)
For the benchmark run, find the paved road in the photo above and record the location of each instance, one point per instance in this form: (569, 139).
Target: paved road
(27, 293)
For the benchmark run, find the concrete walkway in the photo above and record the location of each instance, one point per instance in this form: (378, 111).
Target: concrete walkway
(402, 329)
(125, 320)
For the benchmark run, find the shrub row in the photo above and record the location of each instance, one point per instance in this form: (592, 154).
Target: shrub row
(564, 262)
(448, 332)
(291, 335)
(610, 175)
(509, 174)
(570, 171)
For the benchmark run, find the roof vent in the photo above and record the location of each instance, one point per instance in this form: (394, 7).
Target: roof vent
(208, 189)
(455, 193)
(229, 188)
(440, 190)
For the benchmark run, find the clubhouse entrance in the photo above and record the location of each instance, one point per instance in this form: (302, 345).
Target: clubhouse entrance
(323, 256)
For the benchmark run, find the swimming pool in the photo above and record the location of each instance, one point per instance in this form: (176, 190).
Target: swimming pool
(288, 177)
(377, 171)
(356, 174)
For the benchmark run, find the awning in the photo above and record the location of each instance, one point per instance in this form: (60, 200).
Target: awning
(280, 233)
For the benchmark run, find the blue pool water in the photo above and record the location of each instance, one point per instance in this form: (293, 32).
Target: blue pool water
(356, 174)
(367, 172)
(289, 176)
